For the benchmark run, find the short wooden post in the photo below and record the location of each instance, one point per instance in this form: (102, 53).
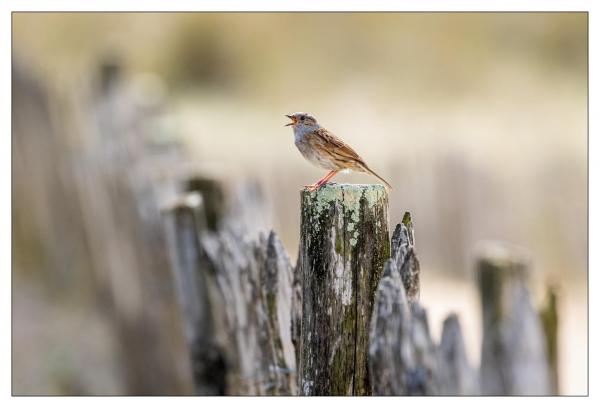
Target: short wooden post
(344, 243)
(456, 376)
(513, 356)
(402, 356)
(391, 348)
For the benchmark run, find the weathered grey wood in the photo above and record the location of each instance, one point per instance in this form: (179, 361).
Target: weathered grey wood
(402, 355)
(403, 358)
(277, 292)
(344, 242)
(236, 293)
(513, 357)
(390, 348)
(405, 257)
(249, 286)
(88, 183)
(423, 378)
(183, 222)
(296, 312)
(456, 376)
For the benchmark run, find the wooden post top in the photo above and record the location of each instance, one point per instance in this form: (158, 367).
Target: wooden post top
(332, 191)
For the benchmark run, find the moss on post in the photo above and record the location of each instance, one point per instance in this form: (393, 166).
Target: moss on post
(344, 243)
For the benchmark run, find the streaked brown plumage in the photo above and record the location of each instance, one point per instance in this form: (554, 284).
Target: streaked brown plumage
(324, 149)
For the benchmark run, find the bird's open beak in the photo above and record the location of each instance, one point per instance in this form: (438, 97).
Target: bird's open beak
(292, 119)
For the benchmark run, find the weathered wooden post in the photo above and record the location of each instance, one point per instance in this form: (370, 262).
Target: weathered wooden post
(390, 330)
(402, 356)
(405, 258)
(344, 243)
(456, 376)
(183, 222)
(513, 356)
(235, 293)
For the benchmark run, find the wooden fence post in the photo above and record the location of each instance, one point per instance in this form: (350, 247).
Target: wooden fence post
(456, 376)
(402, 355)
(403, 358)
(184, 220)
(513, 356)
(356, 324)
(235, 293)
(343, 244)
(390, 329)
(405, 258)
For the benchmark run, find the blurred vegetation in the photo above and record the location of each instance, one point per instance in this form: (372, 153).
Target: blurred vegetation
(479, 120)
(259, 53)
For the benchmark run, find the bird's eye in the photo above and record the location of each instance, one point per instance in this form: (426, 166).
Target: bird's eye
(302, 117)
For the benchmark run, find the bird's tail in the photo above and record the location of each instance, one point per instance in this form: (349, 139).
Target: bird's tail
(368, 170)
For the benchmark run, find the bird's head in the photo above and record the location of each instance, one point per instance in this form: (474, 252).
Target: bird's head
(301, 118)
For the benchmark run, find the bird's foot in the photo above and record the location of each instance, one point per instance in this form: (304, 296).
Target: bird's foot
(322, 182)
(315, 186)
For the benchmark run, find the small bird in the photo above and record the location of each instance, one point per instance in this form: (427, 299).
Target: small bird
(324, 149)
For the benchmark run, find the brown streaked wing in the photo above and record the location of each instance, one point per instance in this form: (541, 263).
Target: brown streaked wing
(336, 148)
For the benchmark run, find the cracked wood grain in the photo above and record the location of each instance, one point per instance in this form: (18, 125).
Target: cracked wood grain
(343, 245)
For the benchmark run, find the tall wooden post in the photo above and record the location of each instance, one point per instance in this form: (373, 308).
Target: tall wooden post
(344, 243)
(183, 222)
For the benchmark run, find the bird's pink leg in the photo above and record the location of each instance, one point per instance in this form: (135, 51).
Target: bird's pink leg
(324, 180)
(320, 182)
(328, 177)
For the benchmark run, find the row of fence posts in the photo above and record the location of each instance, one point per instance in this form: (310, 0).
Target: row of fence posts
(347, 319)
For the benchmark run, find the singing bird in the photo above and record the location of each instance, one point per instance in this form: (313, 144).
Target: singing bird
(324, 149)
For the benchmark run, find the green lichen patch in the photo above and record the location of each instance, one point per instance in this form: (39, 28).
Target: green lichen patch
(350, 194)
(348, 197)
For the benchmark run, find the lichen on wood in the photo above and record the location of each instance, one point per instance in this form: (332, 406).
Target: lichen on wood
(343, 244)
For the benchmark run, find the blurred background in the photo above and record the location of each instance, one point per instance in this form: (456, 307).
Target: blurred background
(478, 120)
